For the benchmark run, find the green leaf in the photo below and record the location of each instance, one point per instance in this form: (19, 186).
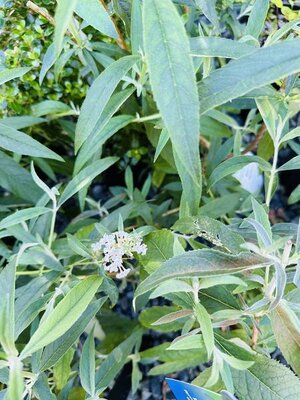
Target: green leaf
(115, 361)
(167, 53)
(77, 246)
(87, 365)
(200, 263)
(159, 249)
(286, 328)
(177, 360)
(171, 286)
(17, 180)
(265, 148)
(266, 380)
(9, 74)
(172, 317)
(62, 369)
(98, 97)
(23, 215)
(257, 18)
(54, 351)
(234, 164)
(61, 62)
(189, 203)
(94, 13)
(294, 163)
(7, 307)
(258, 69)
(262, 217)
(20, 143)
(136, 377)
(235, 348)
(21, 122)
(273, 111)
(205, 323)
(63, 18)
(163, 140)
(188, 342)
(208, 8)
(85, 177)
(202, 46)
(136, 29)
(103, 131)
(221, 206)
(24, 319)
(294, 196)
(217, 233)
(42, 184)
(51, 107)
(279, 33)
(164, 318)
(98, 138)
(48, 60)
(64, 315)
(294, 133)
(218, 298)
(42, 390)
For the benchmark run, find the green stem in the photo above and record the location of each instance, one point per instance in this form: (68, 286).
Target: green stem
(52, 226)
(148, 118)
(195, 284)
(272, 175)
(267, 274)
(37, 272)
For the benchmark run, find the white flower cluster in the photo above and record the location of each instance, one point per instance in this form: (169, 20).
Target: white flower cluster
(117, 246)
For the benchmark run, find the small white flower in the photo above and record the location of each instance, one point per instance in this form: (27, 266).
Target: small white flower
(96, 247)
(116, 246)
(140, 248)
(123, 273)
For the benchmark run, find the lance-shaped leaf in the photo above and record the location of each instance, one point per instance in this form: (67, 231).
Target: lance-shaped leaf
(203, 46)
(168, 57)
(209, 10)
(98, 97)
(258, 69)
(7, 307)
(115, 361)
(136, 28)
(286, 327)
(229, 167)
(9, 74)
(20, 143)
(64, 315)
(63, 17)
(257, 18)
(97, 140)
(21, 122)
(54, 351)
(94, 13)
(42, 390)
(87, 365)
(201, 263)
(85, 177)
(23, 215)
(294, 163)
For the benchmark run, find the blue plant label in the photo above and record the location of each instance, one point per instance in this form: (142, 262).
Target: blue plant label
(186, 391)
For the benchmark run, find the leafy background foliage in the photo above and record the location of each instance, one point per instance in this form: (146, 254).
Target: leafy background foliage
(175, 122)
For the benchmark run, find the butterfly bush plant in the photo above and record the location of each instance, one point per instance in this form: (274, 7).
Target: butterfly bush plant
(139, 235)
